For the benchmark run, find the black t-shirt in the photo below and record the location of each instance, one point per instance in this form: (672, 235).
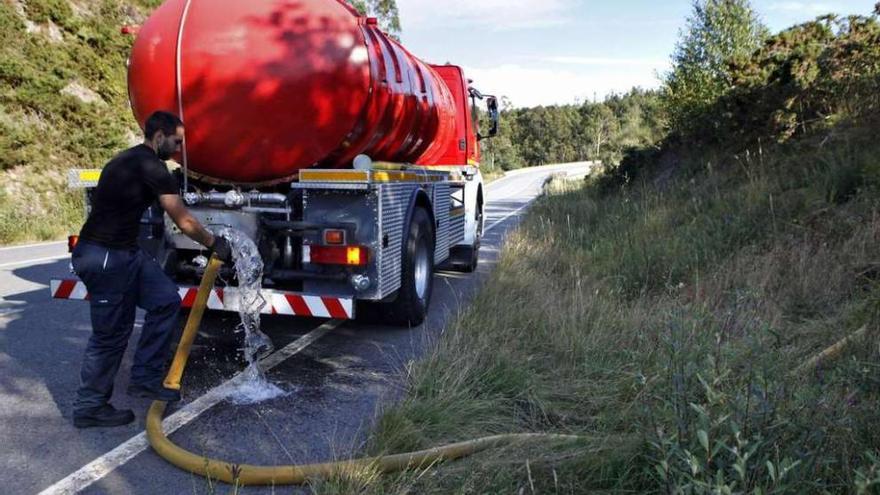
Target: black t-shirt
(129, 183)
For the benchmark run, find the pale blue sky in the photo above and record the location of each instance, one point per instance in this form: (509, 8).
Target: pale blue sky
(561, 51)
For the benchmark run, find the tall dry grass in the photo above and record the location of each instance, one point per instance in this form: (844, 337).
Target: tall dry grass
(667, 324)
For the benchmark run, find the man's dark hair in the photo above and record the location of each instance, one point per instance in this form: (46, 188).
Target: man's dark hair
(163, 121)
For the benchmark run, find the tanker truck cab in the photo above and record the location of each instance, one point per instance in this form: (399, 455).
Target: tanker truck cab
(464, 153)
(352, 223)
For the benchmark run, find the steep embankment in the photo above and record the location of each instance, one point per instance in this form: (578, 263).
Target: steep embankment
(63, 104)
(671, 324)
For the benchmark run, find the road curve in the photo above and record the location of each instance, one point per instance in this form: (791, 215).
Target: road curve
(336, 381)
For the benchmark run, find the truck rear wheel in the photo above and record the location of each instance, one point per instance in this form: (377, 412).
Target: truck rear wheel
(417, 278)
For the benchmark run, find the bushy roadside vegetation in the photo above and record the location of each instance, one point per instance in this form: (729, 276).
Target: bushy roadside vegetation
(669, 327)
(600, 131)
(819, 78)
(671, 310)
(63, 104)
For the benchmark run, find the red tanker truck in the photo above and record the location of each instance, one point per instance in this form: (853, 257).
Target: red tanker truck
(352, 164)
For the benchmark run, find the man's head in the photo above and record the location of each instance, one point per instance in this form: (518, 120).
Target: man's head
(163, 132)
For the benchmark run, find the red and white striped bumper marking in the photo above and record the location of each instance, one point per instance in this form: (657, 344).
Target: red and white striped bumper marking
(215, 298)
(317, 306)
(227, 299)
(69, 289)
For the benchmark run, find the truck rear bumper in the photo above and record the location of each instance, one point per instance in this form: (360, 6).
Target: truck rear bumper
(227, 299)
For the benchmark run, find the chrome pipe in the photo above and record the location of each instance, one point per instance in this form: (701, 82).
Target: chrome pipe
(234, 198)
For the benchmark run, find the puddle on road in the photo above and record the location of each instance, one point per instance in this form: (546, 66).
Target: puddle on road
(253, 387)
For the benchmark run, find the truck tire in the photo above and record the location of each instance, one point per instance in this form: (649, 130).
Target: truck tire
(414, 296)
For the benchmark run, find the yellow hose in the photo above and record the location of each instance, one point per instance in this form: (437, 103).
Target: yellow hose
(245, 474)
(831, 353)
(175, 373)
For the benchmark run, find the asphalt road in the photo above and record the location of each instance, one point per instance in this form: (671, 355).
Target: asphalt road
(337, 380)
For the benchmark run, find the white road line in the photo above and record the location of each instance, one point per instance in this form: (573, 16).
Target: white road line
(548, 168)
(495, 184)
(36, 260)
(36, 244)
(505, 217)
(104, 465)
(514, 212)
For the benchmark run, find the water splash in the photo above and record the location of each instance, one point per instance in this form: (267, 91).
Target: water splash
(253, 387)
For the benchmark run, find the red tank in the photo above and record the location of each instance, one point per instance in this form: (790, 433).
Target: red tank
(269, 87)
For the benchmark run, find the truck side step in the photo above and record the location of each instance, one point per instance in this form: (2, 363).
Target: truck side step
(227, 299)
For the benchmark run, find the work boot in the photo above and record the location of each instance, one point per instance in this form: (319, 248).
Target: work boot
(102, 416)
(157, 392)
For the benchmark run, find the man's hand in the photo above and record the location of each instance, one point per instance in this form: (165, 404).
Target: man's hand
(222, 249)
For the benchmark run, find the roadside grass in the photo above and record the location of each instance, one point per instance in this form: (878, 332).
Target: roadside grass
(668, 324)
(62, 216)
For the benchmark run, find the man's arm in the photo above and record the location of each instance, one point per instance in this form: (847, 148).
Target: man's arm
(173, 205)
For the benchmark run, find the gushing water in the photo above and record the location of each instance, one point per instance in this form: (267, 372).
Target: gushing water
(253, 387)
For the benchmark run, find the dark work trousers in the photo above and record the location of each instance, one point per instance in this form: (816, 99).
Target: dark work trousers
(117, 281)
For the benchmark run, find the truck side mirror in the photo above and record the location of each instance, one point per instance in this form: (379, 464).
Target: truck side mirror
(492, 111)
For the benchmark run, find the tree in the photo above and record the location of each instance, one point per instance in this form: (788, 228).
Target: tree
(500, 153)
(718, 33)
(384, 10)
(600, 127)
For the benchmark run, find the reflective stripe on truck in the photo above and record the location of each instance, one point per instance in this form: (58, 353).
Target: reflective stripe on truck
(227, 299)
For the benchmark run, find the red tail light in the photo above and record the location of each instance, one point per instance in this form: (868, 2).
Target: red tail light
(336, 255)
(71, 242)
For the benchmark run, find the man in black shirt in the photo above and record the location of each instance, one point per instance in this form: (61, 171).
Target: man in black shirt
(120, 276)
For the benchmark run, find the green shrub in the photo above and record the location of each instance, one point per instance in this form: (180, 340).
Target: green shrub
(41, 11)
(805, 78)
(45, 131)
